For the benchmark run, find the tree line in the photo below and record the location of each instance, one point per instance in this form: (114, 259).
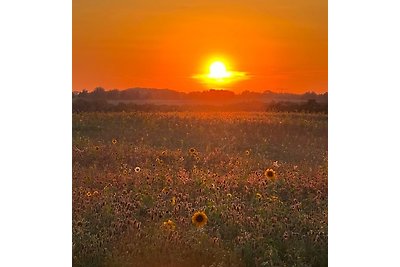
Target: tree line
(212, 95)
(140, 99)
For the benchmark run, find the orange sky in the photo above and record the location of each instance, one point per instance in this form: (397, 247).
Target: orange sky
(282, 45)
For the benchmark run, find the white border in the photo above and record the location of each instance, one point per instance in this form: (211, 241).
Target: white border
(36, 158)
(363, 133)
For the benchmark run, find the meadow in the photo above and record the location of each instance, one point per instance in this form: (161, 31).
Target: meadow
(258, 180)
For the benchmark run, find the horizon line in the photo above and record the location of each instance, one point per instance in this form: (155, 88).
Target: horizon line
(207, 90)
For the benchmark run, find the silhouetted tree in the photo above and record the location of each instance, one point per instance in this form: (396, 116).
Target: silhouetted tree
(83, 93)
(99, 93)
(113, 94)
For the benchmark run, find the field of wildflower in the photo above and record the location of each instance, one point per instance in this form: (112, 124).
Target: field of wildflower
(200, 189)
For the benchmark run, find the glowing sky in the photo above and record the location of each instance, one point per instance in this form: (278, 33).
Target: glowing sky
(280, 45)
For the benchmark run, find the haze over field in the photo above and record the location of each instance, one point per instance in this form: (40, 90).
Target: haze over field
(213, 94)
(153, 99)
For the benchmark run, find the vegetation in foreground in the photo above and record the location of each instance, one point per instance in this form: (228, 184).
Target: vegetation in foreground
(199, 189)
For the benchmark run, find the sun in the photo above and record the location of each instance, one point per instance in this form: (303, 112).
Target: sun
(218, 70)
(218, 73)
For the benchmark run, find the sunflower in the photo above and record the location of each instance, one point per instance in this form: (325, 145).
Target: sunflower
(192, 150)
(173, 201)
(169, 225)
(88, 194)
(247, 152)
(137, 169)
(270, 173)
(97, 147)
(199, 219)
(114, 141)
(258, 196)
(229, 195)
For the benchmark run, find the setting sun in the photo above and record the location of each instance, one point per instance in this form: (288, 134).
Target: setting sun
(218, 73)
(218, 70)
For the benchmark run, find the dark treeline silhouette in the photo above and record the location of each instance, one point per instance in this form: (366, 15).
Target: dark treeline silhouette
(139, 99)
(130, 94)
(212, 95)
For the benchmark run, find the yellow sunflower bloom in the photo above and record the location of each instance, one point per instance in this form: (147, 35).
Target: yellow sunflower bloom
(114, 141)
(270, 173)
(137, 169)
(258, 196)
(173, 201)
(199, 219)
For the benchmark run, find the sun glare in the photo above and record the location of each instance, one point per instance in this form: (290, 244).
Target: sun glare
(219, 74)
(218, 70)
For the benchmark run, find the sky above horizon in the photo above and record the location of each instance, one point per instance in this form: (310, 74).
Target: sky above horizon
(278, 45)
